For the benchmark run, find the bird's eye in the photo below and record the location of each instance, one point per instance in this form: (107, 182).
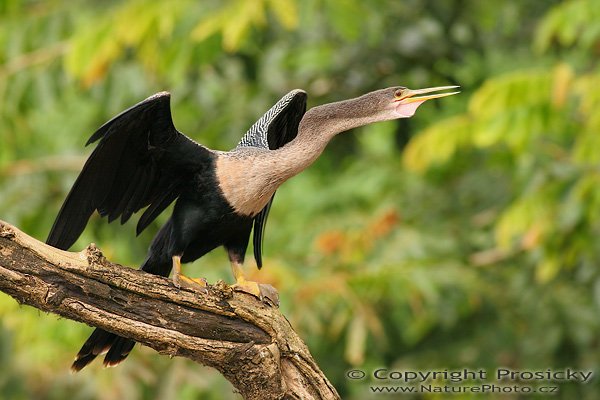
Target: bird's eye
(398, 93)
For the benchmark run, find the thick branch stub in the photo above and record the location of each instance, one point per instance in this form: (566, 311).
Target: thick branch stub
(6, 231)
(94, 255)
(249, 342)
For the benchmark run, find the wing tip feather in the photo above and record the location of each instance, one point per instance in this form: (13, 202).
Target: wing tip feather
(103, 129)
(159, 95)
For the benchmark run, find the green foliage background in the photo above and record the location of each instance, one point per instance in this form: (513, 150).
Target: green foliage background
(464, 237)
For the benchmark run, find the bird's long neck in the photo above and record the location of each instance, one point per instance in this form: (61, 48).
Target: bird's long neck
(318, 126)
(248, 180)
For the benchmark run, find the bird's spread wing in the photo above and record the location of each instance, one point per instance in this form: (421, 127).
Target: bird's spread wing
(141, 160)
(273, 130)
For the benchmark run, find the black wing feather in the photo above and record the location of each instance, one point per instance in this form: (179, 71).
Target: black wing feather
(140, 160)
(158, 204)
(274, 129)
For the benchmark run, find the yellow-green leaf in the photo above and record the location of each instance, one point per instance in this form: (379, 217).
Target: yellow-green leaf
(437, 143)
(286, 12)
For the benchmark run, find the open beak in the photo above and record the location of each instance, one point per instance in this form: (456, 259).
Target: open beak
(411, 96)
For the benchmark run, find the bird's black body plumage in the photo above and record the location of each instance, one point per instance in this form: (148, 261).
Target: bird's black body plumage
(141, 160)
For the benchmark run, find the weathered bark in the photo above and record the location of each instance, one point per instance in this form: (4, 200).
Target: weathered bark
(248, 341)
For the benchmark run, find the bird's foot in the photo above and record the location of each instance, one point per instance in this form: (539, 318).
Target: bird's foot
(180, 280)
(265, 292)
(196, 284)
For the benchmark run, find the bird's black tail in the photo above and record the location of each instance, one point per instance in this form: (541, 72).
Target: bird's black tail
(100, 341)
(117, 348)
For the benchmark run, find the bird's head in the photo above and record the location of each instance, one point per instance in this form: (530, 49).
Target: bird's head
(396, 102)
(403, 102)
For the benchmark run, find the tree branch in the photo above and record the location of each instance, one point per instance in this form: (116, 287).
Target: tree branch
(249, 342)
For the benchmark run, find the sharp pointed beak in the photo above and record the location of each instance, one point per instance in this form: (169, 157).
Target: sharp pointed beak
(411, 96)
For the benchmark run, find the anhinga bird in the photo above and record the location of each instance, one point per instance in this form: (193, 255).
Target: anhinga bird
(143, 161)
